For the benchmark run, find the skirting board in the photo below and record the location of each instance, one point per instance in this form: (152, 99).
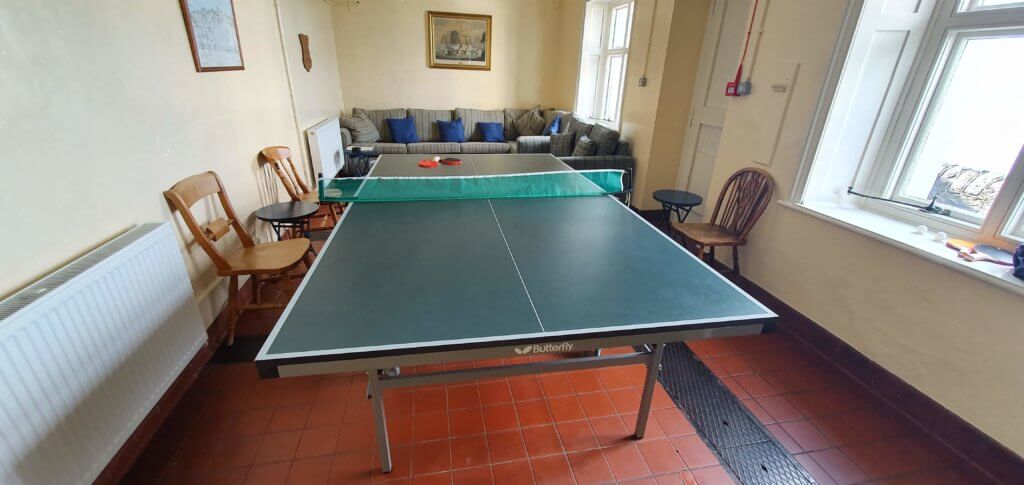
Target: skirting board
(988, 455)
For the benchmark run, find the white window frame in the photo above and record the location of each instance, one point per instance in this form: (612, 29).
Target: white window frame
(883, 171)
(604, 52)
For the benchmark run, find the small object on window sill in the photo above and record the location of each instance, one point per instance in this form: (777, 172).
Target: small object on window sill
(940, 236)
(992, 254)
(922, 229)
(1018, 262)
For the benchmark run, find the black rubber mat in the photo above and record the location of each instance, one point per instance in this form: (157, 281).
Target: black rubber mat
(743, 446)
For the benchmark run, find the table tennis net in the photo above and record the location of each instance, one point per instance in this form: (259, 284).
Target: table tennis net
(506, 186)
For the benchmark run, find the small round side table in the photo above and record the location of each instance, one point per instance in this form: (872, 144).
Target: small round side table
(288, 215)
(679, 202)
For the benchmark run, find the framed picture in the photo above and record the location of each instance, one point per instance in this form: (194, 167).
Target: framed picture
(213, 35)
(459, 41)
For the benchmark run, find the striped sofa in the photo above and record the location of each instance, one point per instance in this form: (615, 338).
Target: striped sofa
(431, 144)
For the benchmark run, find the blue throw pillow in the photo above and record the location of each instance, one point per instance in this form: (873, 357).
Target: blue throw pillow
(403, 130)
(452, 131)
(493, 132)
(556, 125)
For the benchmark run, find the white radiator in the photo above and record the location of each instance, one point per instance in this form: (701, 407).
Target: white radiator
(325, 150)
(86, 352)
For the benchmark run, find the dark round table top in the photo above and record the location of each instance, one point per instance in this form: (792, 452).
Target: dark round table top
(678, 198)
(286, 211)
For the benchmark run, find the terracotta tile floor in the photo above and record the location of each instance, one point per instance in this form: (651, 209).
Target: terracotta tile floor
(232, 427)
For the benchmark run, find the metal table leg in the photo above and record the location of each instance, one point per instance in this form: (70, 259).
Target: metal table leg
(376, 394)
(649, 384)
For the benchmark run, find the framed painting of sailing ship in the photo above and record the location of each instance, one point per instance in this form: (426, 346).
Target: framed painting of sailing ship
(213, 35)
(459, 41)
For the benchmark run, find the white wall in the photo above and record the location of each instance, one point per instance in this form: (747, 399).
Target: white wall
(953, 337)
(382, 52)
(103, 110)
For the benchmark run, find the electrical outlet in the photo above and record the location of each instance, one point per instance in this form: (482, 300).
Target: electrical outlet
(642, 82)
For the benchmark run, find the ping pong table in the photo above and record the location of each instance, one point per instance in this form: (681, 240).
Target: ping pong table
(409, 283)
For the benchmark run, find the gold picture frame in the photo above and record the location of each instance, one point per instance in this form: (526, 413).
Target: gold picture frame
(459, 41)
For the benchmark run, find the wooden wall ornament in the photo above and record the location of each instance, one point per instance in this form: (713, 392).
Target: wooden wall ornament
(307, 60)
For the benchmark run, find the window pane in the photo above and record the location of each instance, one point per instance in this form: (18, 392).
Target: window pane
(619, 36)
(593, 22)
(992, 4)
(613, 88)
(976, 129)
(587, 89)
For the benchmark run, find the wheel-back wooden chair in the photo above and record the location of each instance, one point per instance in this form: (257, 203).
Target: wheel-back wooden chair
(263, 262)
(281, 159)
(740, 204)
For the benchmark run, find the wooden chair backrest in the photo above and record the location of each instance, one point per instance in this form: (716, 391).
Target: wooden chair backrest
(742, 201)
(281, 159)
(184, 194)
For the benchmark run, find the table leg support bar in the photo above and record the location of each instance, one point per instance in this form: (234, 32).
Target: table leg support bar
(653, 365)
(376, 395)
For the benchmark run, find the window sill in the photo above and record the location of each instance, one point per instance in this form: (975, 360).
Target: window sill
(902, 235)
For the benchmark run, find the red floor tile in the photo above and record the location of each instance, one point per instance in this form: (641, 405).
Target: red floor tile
(576, 436)
(585, 381)
(469, 451)
(525, 388)
(278, 447)
(463, 396)
(590, 467)
(565, 408)
(497, 392)
(556, 385)
(693, 451)
(533, 413)
(551, 470)
(310, 471)
(429, 401)
(673, 422)
(506, 446)
(427, 427)
(625, 400)
(542, 441)
(430, 457)
(596, 404)
(625, 461)
(714, 475)
(661, 456)
(466, 421)
(839, 466)
(500, 417)
(806, 435)
(317, 442)
(512, 473)
(472, 476)
(268, 473)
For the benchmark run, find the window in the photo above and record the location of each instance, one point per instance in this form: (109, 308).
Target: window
(603, 60)
(924, 113)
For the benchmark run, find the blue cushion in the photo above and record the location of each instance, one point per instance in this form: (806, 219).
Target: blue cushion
(403, 130)
(493, 132)
(452, 131)
(556, 124)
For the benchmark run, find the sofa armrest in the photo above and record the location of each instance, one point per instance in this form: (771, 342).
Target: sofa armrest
(346, 138)
(533, 144)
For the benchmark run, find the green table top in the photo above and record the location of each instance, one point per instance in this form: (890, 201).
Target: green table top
(415, 276)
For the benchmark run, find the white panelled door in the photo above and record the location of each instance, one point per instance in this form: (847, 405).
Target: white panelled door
(723, 44)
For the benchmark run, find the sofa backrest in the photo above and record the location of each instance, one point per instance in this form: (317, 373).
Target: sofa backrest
(470, 117)
(379, 118)
(426, 122)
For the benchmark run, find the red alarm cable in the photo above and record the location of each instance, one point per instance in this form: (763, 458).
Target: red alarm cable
(730, 88)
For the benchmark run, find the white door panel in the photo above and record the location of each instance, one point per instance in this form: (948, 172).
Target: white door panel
(723, 44)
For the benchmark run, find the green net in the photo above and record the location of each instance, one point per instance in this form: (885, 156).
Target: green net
(527, 185)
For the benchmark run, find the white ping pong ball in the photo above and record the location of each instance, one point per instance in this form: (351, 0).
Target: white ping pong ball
(922, 229)
(437, 159)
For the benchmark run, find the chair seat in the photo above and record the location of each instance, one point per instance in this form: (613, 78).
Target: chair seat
(313, 197)
(267, 258)
(708, 234)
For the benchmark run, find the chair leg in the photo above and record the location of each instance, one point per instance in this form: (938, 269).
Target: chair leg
(736, 260)
(334, 213)
(711, 256)
(232, 308)
(308, 258)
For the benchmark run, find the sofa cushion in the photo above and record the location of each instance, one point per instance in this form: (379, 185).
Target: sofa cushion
(562, 143)
(585, 147)
(549, 117)
(362, 129)
(530, 123)
(511, 115)
(435, 148)
(426, 122)
(470, 117)
(485, 147)
(578, 126)
(380, 147)
(403, 130)
(492, 132)
(379, 118)
(533, 144)
(452, 131)
(607, 139)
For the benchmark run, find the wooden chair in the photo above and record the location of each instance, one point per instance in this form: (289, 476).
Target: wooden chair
(264, 262)
(281, 159)
(740, 204)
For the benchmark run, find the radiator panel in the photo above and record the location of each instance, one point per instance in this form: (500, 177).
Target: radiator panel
(86, 352)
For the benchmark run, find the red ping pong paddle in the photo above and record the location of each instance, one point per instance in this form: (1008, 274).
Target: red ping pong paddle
(428, 164)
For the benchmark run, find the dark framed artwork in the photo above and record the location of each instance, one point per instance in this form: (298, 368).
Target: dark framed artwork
(459, 41)
(213, 35)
